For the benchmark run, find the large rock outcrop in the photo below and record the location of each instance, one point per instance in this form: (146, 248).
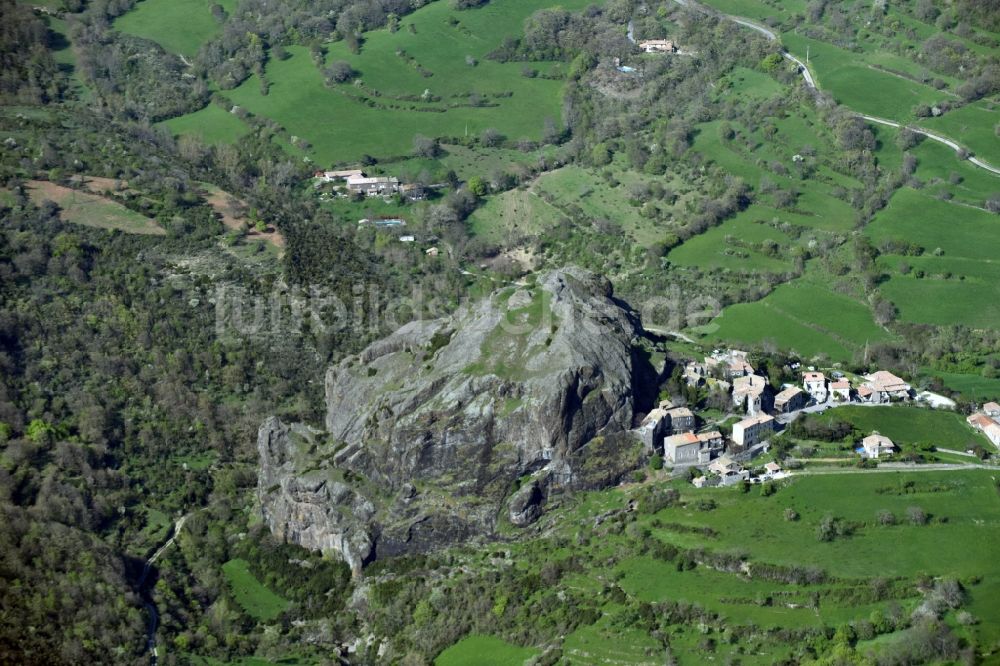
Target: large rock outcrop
(429, 430)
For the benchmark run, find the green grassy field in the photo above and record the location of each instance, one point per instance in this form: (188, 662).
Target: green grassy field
(910, 425)
(817, 207)
(513, 214)
(731, 244)
(180, 26)
(750, 83)
(960, 547)
(974, 387)
(213, 125)
(484, 651)
(255, 599)
(802, 316)
(974, 126)
(91, 210)
(939, 167)
(960, 246)
(964, 510)
(346, 121)
(847, 77)
(758, 10)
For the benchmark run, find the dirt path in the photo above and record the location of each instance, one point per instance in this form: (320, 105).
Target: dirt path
(232, 219)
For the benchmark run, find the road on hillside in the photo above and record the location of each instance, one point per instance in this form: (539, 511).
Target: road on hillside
(154, 616)
(893, 467)
(811, 84)
(935, 137)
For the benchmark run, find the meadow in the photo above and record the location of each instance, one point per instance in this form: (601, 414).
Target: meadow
(733, 244)
(855, 83)
(484, 651)
(817, 207)
(959, 276)
(179, 26)
(382, 114)
(910, 425)
(973, 126)
(802, 316)
(213, 125)
(92, 210)
(256, 600)
(973, 387)
(963, 509)
(513, 214)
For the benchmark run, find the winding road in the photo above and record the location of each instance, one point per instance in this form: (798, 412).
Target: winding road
(810, 82)
(147, 600)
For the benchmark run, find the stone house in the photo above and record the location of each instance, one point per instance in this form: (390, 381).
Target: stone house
(681, 419)
(790, 400)
(886, 387)
(753, 430)
(653, 428)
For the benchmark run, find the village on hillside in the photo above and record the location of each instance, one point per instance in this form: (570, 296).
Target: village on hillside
(674, 433)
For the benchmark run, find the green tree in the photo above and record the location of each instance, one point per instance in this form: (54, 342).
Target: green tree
(477, 186)
(771, 63)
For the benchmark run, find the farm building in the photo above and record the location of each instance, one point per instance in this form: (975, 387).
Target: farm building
(658, 46)
(985, 425)
(754, 430)
(992, 433)
(992, 410)
(789, 400)
(373, 187)
(334, 176)
(875, 445)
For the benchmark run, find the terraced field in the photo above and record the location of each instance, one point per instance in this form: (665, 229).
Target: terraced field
(956, 277)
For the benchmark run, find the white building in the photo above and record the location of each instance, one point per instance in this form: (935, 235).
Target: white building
(753, 430)
(875, 445)
(814, 384)
(840, 390)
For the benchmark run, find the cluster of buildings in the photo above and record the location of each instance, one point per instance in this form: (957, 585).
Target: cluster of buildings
(672, 430)
(987, 421)
(730, 370)
(370, 186)
(725, 471)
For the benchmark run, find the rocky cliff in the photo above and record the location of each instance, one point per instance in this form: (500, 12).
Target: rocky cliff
(430, 431)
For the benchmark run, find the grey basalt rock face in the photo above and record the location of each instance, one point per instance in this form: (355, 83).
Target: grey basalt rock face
(431, 426)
